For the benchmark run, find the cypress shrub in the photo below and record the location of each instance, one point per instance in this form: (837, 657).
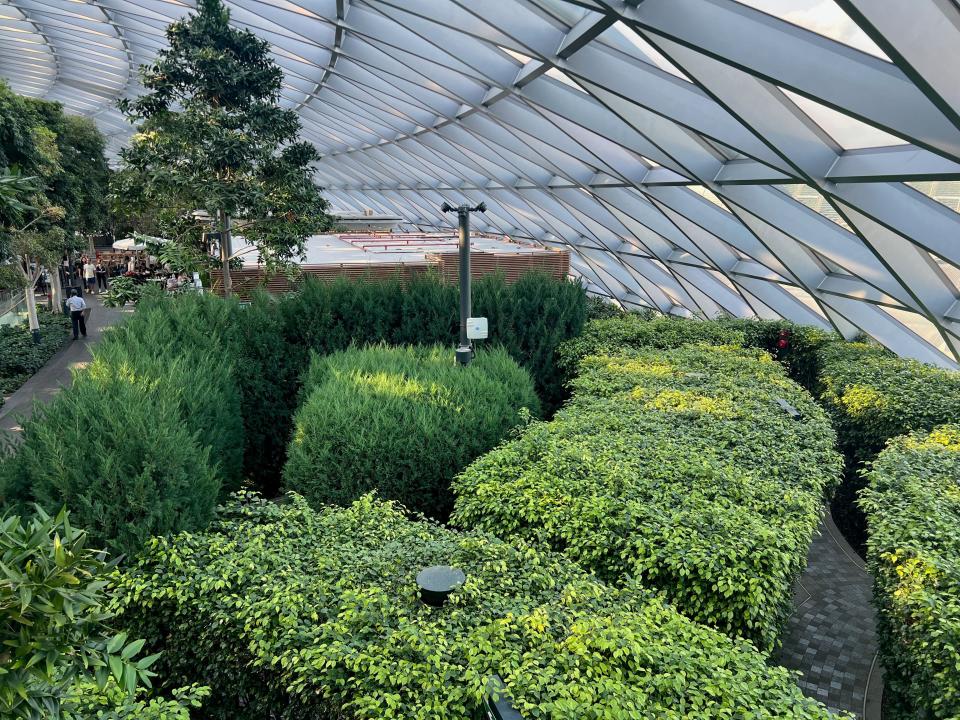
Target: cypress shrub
(912, 504)
(675, 468)
(400, 420)
(147, 435)
(293, 613)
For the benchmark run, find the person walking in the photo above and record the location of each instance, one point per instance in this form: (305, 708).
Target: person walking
(89, 276)
(101, 278)
(77, 305)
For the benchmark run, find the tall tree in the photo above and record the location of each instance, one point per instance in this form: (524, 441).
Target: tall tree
(212, 136)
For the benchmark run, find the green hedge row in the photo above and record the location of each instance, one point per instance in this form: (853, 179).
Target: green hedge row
(872, 396)
(912, 505)
(529, 318)
(677, 468)
(21, 357)
(147, 436)
(287, 612)
(403, 421)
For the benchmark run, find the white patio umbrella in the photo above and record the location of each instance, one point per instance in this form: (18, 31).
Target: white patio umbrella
(129, 245)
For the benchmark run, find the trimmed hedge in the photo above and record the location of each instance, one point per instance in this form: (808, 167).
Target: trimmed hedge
(21, 357)
(872, 395)
(674, 468)
(529, 318)
(403, 421)
(291, 613)
(146, 437)
(793, 345)
(912, 505)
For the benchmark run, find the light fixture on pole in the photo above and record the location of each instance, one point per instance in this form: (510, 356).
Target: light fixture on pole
(465, 350)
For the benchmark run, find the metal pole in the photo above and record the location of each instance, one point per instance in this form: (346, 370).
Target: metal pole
(225, 252)
(464, 352)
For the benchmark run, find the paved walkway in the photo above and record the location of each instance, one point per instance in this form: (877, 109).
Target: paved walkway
(58, 371)
(831, 636)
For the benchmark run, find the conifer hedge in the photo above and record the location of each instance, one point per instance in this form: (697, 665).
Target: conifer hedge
(147, 436)
(676, 468)
(912, 504)
(289, 612)
(401, 420)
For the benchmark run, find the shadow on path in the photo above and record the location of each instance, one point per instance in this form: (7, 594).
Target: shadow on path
(831, 635)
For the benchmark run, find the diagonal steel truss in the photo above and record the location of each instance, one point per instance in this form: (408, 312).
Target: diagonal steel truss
(664, 142)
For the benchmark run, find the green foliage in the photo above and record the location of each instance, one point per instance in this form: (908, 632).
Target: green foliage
(122, 290)
(113, 703)
(54, 627)
(161, 394)
(872, 395)
(912, 504)
(403, 421)
(21, 357)
(293, 613)
(599, 308)
(675, 468)
(211, 134)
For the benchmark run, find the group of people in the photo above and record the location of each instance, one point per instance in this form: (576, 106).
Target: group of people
(94, 274)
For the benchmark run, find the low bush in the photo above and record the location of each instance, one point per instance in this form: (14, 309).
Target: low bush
(400, 420)
(872, 395)
(292, 613)
(21, 357)
(161, 395)
(912, 504)
(675, 468)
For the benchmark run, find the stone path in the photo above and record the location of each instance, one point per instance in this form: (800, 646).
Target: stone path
(58, 371)
(831, 636)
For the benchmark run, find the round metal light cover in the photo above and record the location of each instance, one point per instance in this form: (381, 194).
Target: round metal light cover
(437, 582)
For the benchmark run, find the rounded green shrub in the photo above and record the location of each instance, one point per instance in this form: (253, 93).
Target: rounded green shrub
(294, 613)
(675, 468)
(912, 504)
(401, 420)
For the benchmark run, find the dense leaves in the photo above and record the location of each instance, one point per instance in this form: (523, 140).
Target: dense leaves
(21, 357)
(293, 613)
(403, 421)
(55, 632)
(212, 135)
(145, 438)
(675, 468)
(912, 503)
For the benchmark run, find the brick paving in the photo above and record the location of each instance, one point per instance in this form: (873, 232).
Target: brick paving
(831, 636)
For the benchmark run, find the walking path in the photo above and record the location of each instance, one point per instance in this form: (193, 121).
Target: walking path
(831, 636)
(58, 371)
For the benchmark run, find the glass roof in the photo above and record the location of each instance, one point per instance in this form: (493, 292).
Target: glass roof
(753, 157)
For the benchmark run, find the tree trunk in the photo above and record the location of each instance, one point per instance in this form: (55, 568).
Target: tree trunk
(225, 252)
(56, 290)
(32, 311)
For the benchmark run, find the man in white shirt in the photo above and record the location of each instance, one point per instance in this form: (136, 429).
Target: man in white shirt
(90, 276)
(77, 305)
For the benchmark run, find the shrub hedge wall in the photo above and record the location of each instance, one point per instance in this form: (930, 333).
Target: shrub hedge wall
(912, 503)
(146, 437)
(872, 395)
(21, 357)
(401, 420)
(529, 318)
(290, 613)
(677, 468)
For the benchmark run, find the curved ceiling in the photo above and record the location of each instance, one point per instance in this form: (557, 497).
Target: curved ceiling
(762, 157)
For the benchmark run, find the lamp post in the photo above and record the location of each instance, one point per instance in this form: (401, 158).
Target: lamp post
(464, 350)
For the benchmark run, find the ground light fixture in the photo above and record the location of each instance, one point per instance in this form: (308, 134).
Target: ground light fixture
(467, 328)
(437, 582)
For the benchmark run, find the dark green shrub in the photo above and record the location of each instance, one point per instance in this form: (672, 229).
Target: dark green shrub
(21, 357)
(676, 468)
(872, 395)
(599, 308)
(295, 614)
(400, 420)
(146, 437)
(912, 503)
